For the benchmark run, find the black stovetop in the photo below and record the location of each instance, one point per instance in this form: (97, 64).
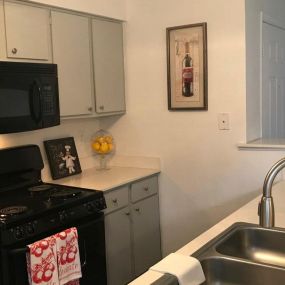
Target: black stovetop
(22, 190)
(33, 201)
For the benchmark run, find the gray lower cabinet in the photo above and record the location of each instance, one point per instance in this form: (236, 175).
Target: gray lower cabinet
(118, 249)
(146, 234)
(132, 230)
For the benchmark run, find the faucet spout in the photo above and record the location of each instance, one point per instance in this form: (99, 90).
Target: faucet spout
(266, 206)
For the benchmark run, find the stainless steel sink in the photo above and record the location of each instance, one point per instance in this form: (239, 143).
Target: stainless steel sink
(219, 270)
(255, 244)
(244, 254)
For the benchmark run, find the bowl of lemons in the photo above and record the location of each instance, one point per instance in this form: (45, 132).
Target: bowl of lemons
(103, 145)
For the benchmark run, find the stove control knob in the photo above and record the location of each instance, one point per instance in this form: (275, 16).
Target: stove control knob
(30, 229)
(89, 207)
(19, 233)
(62, 216)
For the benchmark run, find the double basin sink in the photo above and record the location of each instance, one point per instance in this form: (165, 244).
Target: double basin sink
(244, 254)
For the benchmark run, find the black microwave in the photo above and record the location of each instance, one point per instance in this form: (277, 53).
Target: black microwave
(29, 98)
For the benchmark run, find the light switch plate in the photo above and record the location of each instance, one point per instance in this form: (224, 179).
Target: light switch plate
(223, 121)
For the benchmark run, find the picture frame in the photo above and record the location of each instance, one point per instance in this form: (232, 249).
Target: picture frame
(187, 77)
(62, 157)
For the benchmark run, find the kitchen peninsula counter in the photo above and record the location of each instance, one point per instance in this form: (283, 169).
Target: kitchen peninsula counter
(247, 213)
(105, 180)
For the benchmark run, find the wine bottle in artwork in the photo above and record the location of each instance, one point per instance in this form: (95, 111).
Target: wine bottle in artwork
(187, 73)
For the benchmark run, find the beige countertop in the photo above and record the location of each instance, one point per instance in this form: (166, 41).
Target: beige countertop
(104, 180)
(247, 213)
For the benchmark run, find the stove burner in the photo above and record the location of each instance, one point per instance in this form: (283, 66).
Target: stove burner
(40, 188)
(13, 210)
(65, 194)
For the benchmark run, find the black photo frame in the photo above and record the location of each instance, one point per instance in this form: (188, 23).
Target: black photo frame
(187, 84)
(62, 157)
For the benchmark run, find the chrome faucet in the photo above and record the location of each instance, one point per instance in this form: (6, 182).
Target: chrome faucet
(266, 207)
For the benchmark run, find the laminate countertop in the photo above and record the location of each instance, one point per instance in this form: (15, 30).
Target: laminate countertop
(105, 180)
(247, 213)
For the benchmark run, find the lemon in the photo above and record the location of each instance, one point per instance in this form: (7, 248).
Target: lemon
(96, 146)
(111, 146)
(108, 139)
(102, 139)
(104, 147)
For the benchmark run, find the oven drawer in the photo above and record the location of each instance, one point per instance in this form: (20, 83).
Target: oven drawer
(116, 199)
(144, 188)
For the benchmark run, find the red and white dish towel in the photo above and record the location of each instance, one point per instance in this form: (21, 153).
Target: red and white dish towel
(55, 260)
(68, 258)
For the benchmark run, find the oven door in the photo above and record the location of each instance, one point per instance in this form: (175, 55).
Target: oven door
(91, 239)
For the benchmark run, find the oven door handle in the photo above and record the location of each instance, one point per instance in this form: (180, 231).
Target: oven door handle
(26, 250)
(20, 250)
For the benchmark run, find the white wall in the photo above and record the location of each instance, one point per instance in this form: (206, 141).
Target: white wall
(204, 176)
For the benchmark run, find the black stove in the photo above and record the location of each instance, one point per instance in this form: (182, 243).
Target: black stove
(31, 210)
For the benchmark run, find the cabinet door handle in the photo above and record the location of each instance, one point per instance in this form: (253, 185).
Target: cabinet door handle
(90, 109)
(115, 201)
(101, 107)
(146, 188)
(127, 213)
(14, 51)
(137, 210)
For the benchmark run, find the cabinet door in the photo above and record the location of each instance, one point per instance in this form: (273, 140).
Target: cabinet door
(72, 54)
(27, 32)
(118, 247)
(146, 231)
(108, 66)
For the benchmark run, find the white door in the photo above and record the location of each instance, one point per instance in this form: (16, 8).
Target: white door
(273, 82)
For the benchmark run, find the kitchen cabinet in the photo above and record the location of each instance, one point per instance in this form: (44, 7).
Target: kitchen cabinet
(87, 49)
(146, 234)
(132, 230)
(118, 247)
(72, 54)
(108, 61)
(27, 32)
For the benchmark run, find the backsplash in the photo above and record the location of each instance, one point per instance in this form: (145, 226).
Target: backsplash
(81, 129)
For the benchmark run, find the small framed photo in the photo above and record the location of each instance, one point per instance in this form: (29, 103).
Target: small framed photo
(62, 157)
(187, 67)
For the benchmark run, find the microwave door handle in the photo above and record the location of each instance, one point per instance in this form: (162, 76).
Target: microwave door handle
(35, 101)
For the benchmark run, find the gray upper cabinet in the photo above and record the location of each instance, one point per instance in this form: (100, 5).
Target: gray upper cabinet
(27, 31)
(87, 49)
(72, 53)
(108, 63)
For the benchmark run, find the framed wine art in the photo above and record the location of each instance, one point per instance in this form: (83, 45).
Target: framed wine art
(187, 67)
